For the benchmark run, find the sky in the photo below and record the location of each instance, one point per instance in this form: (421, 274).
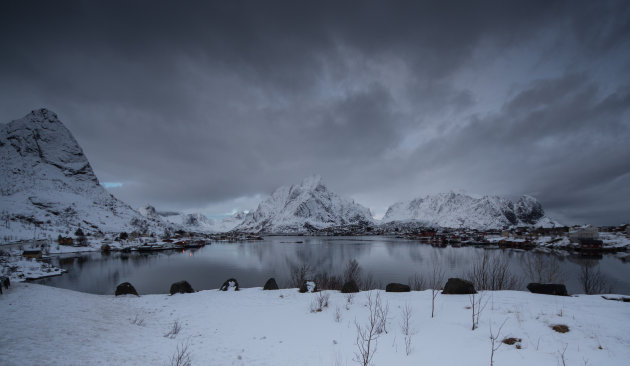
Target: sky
(209, 106)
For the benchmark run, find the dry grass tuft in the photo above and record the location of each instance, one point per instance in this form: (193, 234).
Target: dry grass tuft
(560, 328)
(511, 341)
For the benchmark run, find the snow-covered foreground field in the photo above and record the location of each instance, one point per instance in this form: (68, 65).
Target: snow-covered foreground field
(42, 325)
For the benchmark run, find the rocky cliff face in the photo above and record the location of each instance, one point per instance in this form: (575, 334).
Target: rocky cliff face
(302, 207)
(48, 186)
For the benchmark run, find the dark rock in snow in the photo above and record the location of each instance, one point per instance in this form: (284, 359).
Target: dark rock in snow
(230, 284)
(126, 288)
(271, 284)
(5, 282)
(308, 286)
(397, 287)
(349, 287)
(181, 287)
(457, 286)
(548, 289)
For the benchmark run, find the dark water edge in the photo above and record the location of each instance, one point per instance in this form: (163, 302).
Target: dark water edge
(252, 263)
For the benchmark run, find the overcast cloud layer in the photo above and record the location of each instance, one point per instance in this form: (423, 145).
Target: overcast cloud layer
(210, 106)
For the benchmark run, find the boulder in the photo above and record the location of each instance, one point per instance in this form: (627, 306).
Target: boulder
(548, 289)
(126, 288)
(230, 284)
(105, 248)
(181, 287)
(308, 286)
(349, 287)
(397, 287)
(457, 286)
(271, 284)
(4, 281)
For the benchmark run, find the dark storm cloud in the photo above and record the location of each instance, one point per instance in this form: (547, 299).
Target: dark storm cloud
(204, 105)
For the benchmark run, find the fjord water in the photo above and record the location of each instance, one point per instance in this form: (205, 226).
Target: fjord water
(252, 263)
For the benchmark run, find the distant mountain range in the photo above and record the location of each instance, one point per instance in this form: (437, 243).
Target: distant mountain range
(195, 222)
(458, 210)
(48, 188)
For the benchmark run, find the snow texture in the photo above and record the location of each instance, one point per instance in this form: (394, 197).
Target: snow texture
(296, 208)
(50, 326)
(458, 210)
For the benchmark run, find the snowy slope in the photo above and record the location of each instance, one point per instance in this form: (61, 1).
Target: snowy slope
(50, 326)
(48, 186)
(309, 204)
(457, 210)
(195, 222)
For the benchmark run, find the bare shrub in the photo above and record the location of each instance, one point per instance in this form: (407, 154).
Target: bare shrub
(367, 335)
(382, 314)
(138, 320)
(319, 302)
(542, 268)
(491, 272)
(561, 355)
(299, 274)
(369, 283)
(326, 282)
(435, 283)
(406, 328)
(181, 357)
(349, 300)
(417, 282)
(493, 341)
(477, 304)
(337, 316)
(174, 330)
(592, 280)
(352, 272)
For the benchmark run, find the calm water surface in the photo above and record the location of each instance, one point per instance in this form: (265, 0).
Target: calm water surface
(252, 263)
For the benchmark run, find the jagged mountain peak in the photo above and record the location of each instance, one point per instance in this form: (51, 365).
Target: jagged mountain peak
(49, 187)
(41, 142)
(301, 207)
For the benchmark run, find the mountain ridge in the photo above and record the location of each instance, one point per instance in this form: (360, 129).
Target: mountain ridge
(49, 187)
(454, 210)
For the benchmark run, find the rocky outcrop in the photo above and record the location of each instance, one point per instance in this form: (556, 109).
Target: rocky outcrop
(230, 284)
(126, 288)
(457, 286)
(397, 287)
(548, 289)
(271, 284)
(181, 287)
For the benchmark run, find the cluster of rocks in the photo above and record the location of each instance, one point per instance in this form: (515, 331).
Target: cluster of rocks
(454, 286)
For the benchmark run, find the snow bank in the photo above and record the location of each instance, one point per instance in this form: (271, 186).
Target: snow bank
(43, 325)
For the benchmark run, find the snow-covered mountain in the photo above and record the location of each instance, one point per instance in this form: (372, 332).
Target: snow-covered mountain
(48, 186)
(457, 210)
(195, 222)
(303, 207)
